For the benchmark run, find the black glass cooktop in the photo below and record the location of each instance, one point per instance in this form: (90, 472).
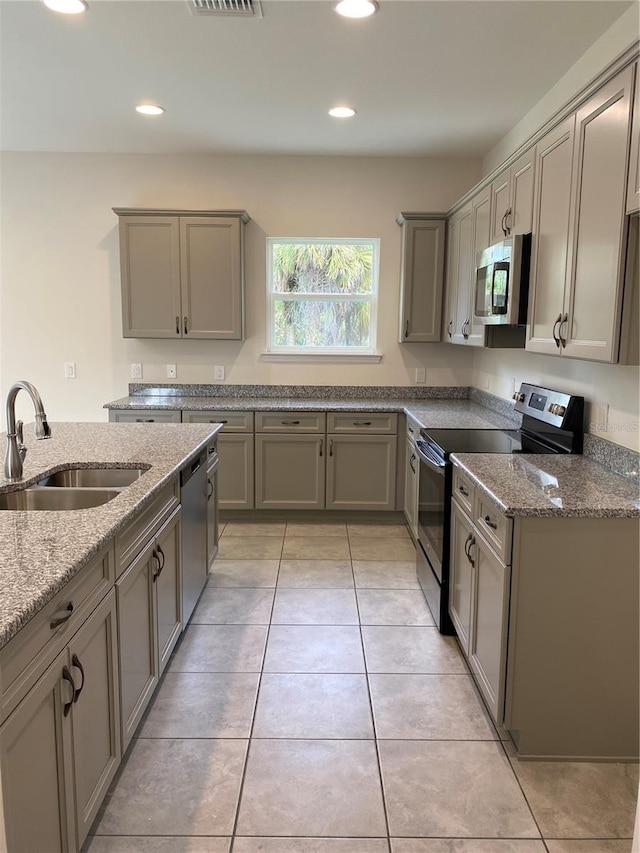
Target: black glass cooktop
(446, 441)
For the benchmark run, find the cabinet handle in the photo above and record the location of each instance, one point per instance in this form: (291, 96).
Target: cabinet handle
(66, 675)
(214, 421)
(450, 328)
(186, 330)
(331, 447)
(411, 461)
(362, 423)
(464, 491)
(553, 331)
(161, 552)
(289, 423)
(489, 523)
(406, 329)
(75, 661)
(145, 421)
(468, 545)
(564, 320)
(506, 221)
(321, 445)
(464, 326)
(209, 490)
(177, 325)
(60, 620)
(503, 225)
(156, 573)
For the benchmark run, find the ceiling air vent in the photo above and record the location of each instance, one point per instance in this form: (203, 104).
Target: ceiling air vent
(241, 8)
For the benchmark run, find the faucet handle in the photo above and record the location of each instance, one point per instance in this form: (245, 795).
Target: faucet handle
(22, 450)
(43, 430)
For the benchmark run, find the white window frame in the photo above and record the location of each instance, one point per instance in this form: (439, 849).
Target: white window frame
(324, 353)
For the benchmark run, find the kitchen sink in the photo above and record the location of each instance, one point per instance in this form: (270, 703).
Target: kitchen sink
(56, 499)
(93, 478)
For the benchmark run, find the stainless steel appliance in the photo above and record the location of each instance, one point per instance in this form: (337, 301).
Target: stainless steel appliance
(552, 422)
(193, 496)
(501, 294)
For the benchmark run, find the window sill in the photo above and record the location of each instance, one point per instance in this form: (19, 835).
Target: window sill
(326, 357)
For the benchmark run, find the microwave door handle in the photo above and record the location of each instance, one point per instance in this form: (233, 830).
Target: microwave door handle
(427, 459)
(500, 266)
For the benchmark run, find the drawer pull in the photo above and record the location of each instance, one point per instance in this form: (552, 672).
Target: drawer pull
(60, 620)
(362, 423)
(489, 523)
(75, 661)
(214, 421)
(145, 421)
(289, 423)
(464, 491)
(66, 675)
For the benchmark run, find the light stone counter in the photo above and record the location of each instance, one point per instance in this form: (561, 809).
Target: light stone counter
(41, 551)
(434, 413)
(551, 485)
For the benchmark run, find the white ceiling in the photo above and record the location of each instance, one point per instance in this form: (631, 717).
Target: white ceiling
(427, 77)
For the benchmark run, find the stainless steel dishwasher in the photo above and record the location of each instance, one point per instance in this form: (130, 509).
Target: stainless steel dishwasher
(193, 488)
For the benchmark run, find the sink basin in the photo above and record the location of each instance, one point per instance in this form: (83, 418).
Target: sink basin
(56, 499)
(93, 478)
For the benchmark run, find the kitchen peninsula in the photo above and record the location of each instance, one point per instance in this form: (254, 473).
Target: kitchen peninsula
(91, 610)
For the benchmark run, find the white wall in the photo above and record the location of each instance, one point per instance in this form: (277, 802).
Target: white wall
(615, 41)
(60, 287)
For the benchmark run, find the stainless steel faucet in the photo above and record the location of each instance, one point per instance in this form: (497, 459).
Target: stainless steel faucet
(16, 451)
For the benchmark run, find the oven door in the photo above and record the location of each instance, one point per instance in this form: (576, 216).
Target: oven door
(431, 507)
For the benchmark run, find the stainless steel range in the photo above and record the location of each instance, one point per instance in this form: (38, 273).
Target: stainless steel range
(552, 422)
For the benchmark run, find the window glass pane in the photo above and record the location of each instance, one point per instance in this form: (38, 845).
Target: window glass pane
(322, 267)
(321, 324)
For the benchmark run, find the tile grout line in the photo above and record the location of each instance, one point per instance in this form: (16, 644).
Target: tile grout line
(373, 719)
(255, 707)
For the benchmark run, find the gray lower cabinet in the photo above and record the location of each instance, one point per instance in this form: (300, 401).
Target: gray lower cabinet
(144, 416)
(60, 748)
(290, 471)
(149, 620)
(361, 472)
(461, 575)
(212, 505)
(235, 471)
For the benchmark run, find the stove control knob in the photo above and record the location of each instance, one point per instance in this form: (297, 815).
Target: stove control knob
(518, 397)
(551, 408)
(560, 410)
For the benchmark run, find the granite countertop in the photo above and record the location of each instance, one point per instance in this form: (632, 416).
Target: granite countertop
(41, 551)
(551, 485)
(434, 413)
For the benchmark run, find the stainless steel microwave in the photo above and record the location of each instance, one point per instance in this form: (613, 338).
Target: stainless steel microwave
(502, 282)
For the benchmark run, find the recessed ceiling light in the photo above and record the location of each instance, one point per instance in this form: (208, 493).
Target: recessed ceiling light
(149, 109)
(67, 7)
(356, 8)
(342, 112)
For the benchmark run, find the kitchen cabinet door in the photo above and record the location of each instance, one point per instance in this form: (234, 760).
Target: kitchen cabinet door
(37, 786)
(512, 199)
(411, 483)
(421, 279)
(361, 472)
(235, 471)
(487, 649)
(593, 300)
(500, 202)
(211, 277)
(453, 253)
(465, 267)
(136, 639)
(212, 507)
(633, 185)
(168, 588)
(550, 237)
(95, 715)
(150, 276)
(461, 577)
(481, 206)
(290, 471)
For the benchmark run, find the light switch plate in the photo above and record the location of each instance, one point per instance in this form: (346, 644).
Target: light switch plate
(69, 370)
(218, 372)
(601, 416)
(421, 375)
(172, 371)
(136, 371)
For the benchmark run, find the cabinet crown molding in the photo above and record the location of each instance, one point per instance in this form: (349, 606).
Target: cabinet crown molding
(156, 211)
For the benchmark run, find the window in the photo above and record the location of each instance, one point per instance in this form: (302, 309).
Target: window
(322, 296)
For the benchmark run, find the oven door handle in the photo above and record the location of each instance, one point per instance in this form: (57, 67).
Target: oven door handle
(434, 464)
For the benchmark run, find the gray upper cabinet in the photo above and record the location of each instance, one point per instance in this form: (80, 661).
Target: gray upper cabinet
(633, 186)
(421, 277)
(512, 199)
(470, 235)
(182, 273)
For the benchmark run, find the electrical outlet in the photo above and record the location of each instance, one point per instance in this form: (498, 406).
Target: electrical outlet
(601, 416)
(69, 370)
(218, 372)
(172, 371)
(136, 371)
(421, 375)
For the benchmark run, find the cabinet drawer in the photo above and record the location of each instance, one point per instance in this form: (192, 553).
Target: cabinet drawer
(27, 655)
(362, 422)
(290, 421)
(413, 430)
(463, 490)
(145, 416)
(134, 537)
(495, 527)
(233, 421)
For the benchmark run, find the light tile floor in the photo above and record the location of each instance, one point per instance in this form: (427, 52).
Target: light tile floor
(312, 707)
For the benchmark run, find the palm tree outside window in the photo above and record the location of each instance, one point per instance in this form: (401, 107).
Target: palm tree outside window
(322, 295)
